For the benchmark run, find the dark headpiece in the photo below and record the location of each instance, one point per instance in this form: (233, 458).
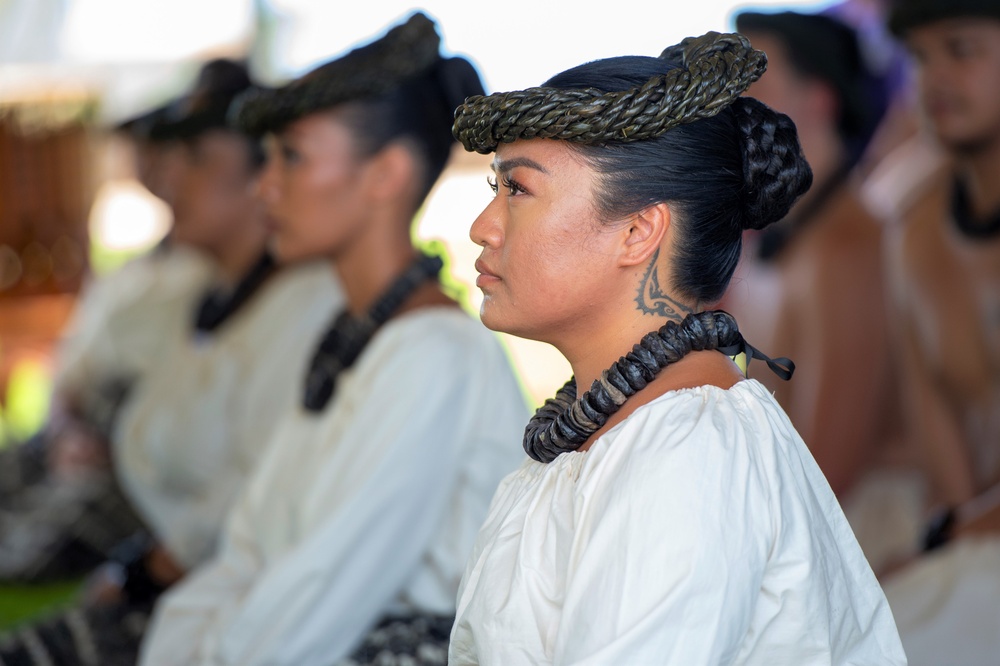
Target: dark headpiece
(206, 106)
(827, 49)
(715, 70)
(906, 14)
(140, 127)
(406, 51)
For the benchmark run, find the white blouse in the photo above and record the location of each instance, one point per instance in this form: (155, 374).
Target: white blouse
(366, 508)
(125, 320)
(193, 430)
(947, 604)
(697, 531)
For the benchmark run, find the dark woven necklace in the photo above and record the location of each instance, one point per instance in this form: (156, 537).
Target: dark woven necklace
(347, 337)
(962, 215)
(218, 305)
(564, 422)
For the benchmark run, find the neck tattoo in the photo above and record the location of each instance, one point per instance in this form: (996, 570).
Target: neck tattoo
(564, 423)
(347, 337)
(653, 300)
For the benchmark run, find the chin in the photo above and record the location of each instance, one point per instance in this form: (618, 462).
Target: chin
(285, 252)
(502, 322)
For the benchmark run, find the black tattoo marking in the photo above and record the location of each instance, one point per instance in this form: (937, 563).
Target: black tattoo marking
(652, 300)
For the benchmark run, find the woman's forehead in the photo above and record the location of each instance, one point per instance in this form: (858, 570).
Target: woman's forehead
(546, 156)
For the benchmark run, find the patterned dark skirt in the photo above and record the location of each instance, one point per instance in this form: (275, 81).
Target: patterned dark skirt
(107, 635)
(111, 635)
(420, 640)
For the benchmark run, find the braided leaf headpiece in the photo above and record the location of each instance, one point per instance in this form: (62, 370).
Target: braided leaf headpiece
(715, 70)
(406, 51)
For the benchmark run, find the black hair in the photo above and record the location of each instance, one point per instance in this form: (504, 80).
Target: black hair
(419, 111)
(740, 169)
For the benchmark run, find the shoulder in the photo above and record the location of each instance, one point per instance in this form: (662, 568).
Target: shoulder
(697, 438)
(436, 330)
(310, 283)
(847, 239)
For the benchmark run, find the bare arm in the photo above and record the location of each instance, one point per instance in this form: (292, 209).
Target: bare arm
(839, 398)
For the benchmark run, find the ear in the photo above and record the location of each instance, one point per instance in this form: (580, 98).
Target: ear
(643, 234)
(391, 172)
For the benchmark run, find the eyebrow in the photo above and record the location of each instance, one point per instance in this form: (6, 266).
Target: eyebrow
(503, 166)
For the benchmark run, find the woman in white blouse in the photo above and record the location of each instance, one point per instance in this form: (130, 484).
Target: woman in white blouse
(670, 514)
(367, 502)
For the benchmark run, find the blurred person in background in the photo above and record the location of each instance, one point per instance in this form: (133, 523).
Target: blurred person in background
(192, 430)
(813, 283)
(122, 324)
(349, 540)
(944, 270)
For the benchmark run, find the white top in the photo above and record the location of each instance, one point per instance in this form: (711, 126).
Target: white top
(947, 604)
(191, 433)
(126, 320)
(366, 508)
(697, 531)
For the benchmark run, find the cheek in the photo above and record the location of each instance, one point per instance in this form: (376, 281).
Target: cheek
(314, 214)
(552, 271)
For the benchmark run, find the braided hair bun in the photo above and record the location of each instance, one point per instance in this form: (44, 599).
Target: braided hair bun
(775, 172)
(458, 80)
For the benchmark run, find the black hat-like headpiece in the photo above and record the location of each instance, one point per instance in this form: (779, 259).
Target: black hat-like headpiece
(406, 51)
(206, 106)
(906, 14)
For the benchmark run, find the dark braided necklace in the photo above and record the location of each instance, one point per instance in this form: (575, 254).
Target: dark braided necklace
(347, 337)
(218, 305)
(961, 213)
(564, 422)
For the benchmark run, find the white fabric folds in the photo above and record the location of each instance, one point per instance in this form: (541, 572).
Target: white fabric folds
(195, 429)
(698, 531)
(367, 508)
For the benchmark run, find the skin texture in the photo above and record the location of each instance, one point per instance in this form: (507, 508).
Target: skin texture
(552, 270)
(214, 204)
(821, 301)
(946, 287)
(327, 200)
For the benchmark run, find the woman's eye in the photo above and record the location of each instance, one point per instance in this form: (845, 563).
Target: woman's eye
(289, 154)
(513, 187)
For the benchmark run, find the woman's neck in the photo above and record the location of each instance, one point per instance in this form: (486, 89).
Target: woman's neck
(596, 353)
(371, 264)
(238, 253)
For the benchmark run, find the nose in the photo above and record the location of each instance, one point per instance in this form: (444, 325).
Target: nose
(487, 229)
(267, 187)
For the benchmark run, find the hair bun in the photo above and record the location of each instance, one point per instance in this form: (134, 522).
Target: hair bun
(458, 80)
(775, 173)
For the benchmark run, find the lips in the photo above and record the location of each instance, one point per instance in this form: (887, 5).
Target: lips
(486, 275)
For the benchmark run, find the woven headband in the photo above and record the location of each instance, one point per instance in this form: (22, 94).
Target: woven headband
(715, 70)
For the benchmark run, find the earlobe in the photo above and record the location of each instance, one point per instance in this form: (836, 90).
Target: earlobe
(392, 170)
(643, 234)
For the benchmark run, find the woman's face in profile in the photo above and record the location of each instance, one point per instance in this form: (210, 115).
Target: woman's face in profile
(547, 261)
(313, 185)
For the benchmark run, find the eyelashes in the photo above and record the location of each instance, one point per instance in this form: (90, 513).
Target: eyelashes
(512, 186)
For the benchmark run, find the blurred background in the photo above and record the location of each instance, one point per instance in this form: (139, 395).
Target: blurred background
(71, 206)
